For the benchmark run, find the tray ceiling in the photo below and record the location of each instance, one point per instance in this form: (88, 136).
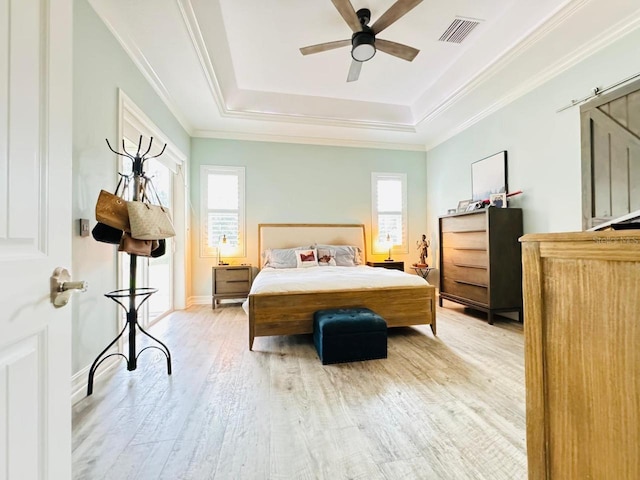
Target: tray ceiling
(233, 69)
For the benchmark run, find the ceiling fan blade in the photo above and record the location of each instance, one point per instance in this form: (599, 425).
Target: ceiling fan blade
(354, 71)
(397, 49)
(323, 47)
(348, 13)
(395, 11)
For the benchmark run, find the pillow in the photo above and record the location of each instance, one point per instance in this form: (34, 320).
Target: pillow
(306, 258)
(326, 257)
(280, 257)
(345, 256)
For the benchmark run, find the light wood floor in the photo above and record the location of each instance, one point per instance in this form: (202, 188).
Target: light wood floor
(450, 407)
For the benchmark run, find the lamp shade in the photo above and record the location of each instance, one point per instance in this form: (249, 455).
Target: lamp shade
(363, 46)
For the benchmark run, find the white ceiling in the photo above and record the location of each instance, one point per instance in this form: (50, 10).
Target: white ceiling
(233, 69)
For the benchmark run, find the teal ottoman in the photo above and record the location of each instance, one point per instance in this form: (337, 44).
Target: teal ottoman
(349, 335)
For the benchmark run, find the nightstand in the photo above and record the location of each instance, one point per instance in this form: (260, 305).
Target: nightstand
(230, 281)
(389, 265)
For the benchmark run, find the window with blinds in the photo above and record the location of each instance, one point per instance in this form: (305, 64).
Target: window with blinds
(222, 208)
(389, 211)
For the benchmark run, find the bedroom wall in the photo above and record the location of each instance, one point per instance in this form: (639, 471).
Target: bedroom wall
(101, 67)
(287, 183)
(543, 146)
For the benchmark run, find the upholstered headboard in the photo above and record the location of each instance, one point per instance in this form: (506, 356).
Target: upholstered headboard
(289, 235)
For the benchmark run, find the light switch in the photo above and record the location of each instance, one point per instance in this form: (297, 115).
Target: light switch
(84, 227)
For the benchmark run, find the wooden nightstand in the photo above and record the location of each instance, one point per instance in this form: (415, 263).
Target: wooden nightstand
(230, 281)
(390, 265)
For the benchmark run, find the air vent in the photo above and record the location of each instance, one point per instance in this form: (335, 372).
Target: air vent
(459, 29)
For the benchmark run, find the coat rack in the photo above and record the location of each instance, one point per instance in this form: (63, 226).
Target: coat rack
(136, 296)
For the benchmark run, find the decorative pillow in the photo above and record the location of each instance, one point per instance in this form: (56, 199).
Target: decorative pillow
(326, 257)
(280, 257)
(306, 258)
(346, 255)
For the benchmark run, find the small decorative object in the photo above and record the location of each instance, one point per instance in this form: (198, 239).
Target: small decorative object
(462, 205)
(475, 206)
(498, 200)
(451, 211)
(423, 247)
(489, 175)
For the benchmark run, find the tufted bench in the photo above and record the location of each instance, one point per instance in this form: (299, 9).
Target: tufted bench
(349, 335)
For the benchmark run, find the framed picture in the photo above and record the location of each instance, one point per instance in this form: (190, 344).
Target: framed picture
(498, 200)
(489, 175)
(462, 205)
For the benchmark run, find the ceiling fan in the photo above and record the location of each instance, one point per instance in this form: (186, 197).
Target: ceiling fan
(364, 43)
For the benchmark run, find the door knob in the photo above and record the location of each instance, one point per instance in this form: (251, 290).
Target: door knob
(62, 287)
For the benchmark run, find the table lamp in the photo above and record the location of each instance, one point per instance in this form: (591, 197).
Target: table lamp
(223, 243)
(389, 242)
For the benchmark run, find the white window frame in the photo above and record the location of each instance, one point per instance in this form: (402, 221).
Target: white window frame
(212, 251)
(378, 247)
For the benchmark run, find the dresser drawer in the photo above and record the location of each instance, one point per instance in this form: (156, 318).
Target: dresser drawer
(465, 223)
(232, 274)
(465, 258)
(233, 286)
(465, 240)
(475, 293)
(479, 276)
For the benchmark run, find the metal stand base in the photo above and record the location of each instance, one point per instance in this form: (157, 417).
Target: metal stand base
(132, 323)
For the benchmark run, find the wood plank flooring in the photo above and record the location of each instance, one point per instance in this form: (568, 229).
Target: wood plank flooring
(450, 407)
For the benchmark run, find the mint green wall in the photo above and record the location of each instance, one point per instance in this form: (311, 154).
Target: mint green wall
(543, 146)
(304, 184)
(101, 67)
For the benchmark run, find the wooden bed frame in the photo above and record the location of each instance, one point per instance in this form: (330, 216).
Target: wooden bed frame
(292, 313)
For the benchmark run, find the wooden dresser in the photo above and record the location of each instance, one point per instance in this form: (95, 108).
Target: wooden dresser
(582, 355)
(480, 262)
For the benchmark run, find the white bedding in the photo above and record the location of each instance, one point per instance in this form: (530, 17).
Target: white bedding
(312, 279)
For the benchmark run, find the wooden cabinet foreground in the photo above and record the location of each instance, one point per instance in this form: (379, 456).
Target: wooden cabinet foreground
(582, 354)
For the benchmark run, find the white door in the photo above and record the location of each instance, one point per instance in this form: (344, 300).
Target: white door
(35, 238)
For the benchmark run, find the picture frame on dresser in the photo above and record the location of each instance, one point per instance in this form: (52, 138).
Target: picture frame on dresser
(498, 200)
(489, 175)
(462, 205)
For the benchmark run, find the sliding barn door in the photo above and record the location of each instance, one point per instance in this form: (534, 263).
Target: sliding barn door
(611, 155)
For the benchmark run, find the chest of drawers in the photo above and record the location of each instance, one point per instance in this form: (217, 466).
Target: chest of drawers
(480, 260)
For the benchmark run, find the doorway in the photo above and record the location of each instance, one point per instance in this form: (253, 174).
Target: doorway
(167, 272)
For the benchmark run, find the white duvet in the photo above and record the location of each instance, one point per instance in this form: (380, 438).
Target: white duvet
(313, 279)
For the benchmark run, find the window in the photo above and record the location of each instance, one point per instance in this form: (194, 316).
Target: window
(389, 211)
(222, 210)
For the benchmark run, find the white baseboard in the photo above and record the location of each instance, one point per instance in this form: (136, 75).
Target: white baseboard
(199, 300)
(80, 380)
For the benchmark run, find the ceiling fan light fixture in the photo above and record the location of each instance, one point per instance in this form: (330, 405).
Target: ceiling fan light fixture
(363, 44)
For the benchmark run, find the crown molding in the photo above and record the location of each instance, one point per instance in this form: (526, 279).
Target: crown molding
(606, 38)
(200, 49)
(334, 142)
(140, 61)
(539, 32)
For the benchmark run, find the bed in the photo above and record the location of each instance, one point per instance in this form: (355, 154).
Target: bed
(276, 310)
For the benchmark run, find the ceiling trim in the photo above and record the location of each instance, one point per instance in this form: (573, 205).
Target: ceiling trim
(199, 46)
(335, 142)
(140, 61)
(599, 42)
(200, 49)
(317, 120)
(539, 32)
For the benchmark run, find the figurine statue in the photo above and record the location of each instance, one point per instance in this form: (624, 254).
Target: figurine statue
(423, 247)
